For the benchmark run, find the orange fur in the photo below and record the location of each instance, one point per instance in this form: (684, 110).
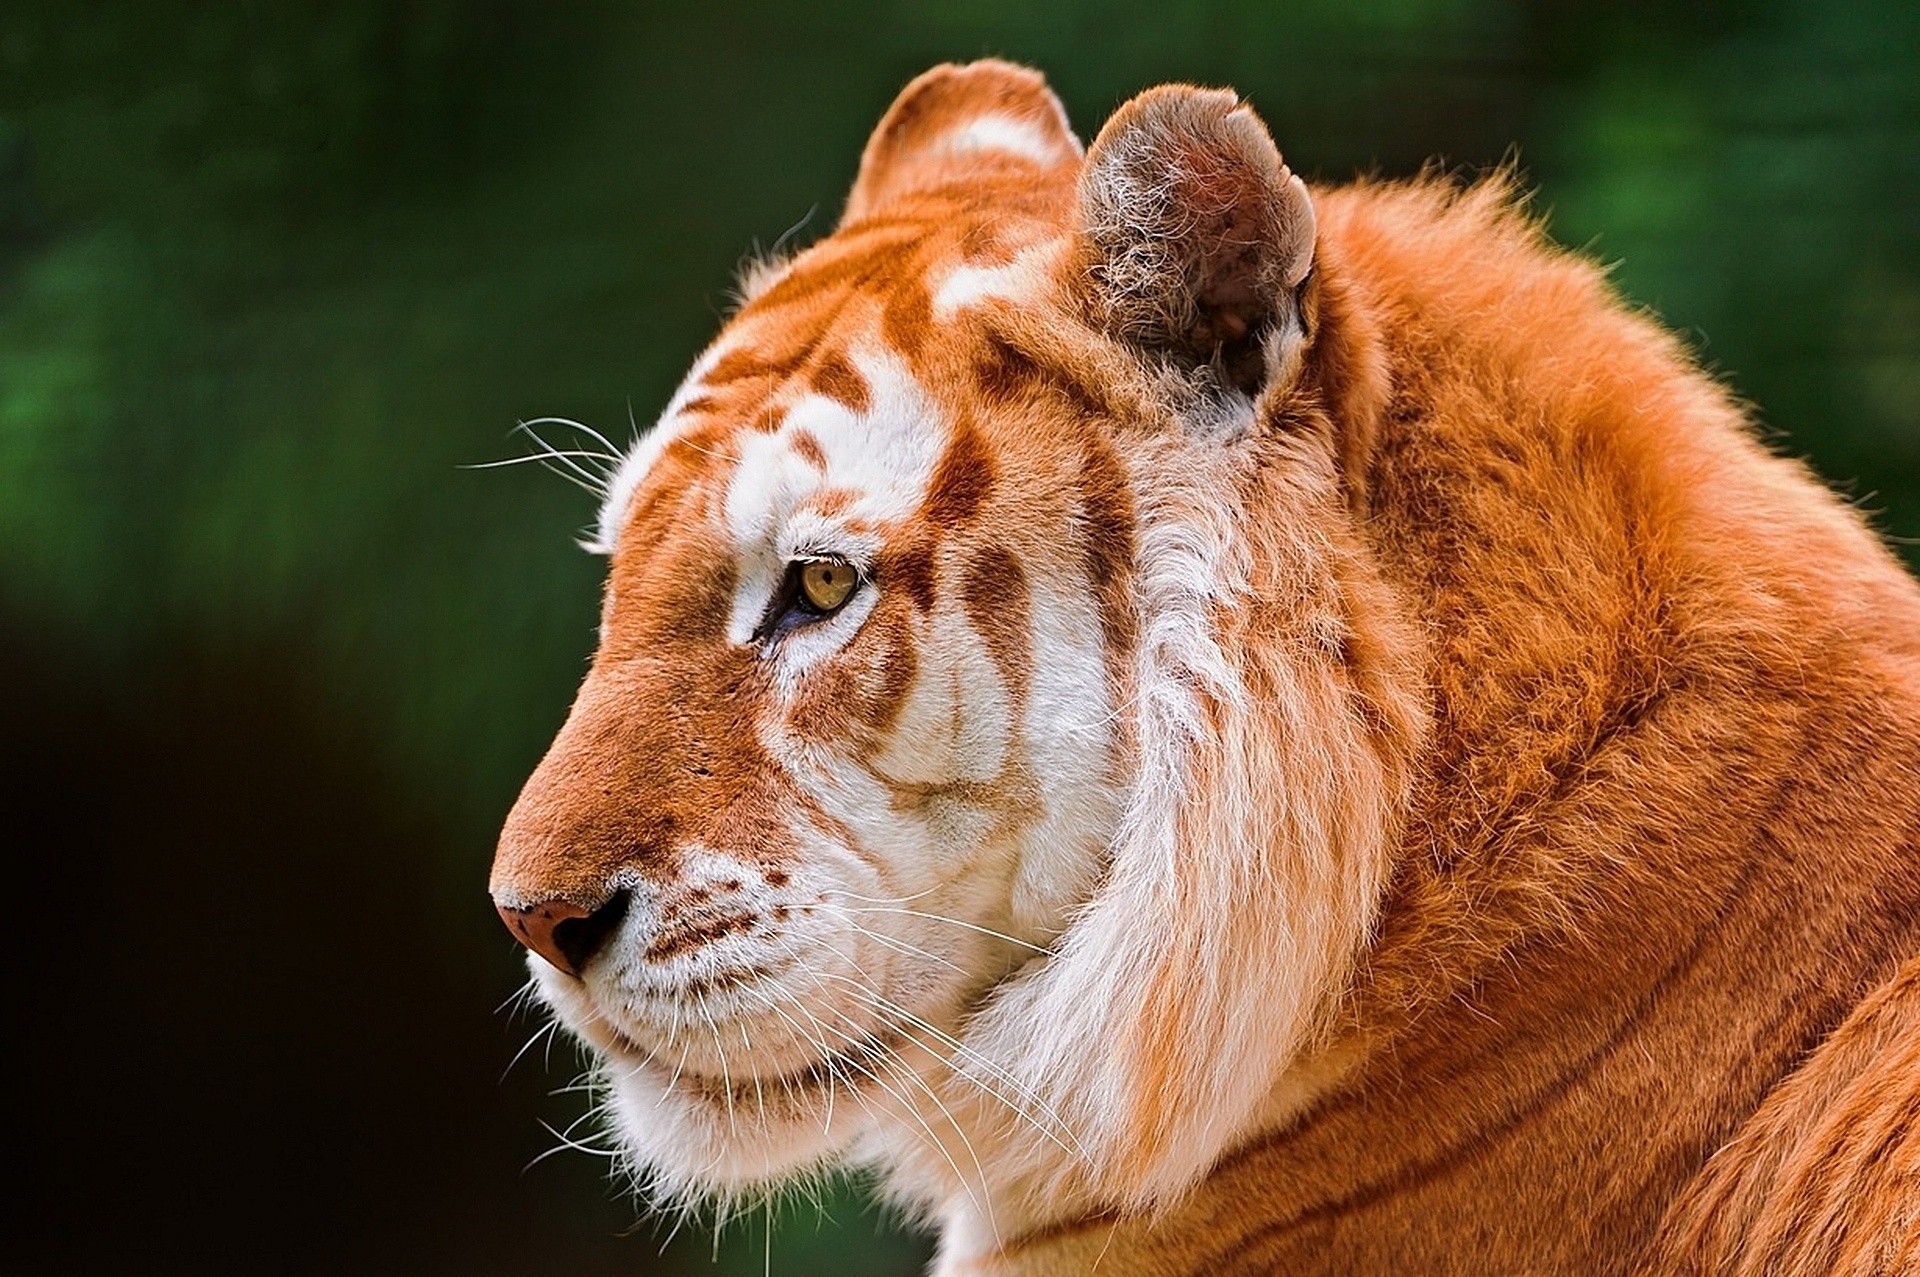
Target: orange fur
(1666, 834)
(1519, 862)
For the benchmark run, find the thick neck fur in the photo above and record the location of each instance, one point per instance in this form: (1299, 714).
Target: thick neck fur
(1268, 648)
(1659, 837)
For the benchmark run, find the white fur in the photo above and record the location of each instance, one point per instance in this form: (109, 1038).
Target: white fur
(885, 456)
(1004, 133)
(1018, 280)
(875, 920)
(1038, 1025)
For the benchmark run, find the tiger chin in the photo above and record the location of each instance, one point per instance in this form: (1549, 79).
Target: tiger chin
(1198, 724)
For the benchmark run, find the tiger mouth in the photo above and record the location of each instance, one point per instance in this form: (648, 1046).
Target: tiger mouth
(849, 1069)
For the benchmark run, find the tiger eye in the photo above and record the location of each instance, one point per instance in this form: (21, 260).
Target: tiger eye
(827, 583)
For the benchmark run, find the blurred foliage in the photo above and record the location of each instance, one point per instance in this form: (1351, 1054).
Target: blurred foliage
(269, 273)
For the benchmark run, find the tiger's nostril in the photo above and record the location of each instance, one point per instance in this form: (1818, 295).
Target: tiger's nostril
(578, 939)
(565, 934)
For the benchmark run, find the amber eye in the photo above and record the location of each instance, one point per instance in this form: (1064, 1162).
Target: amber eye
(812, 590)
(826, 584)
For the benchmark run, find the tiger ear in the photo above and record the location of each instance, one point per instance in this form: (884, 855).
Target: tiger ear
(1194, 238)
(955, 123)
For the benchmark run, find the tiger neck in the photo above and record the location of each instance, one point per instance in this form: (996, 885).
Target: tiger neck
(1611, 827)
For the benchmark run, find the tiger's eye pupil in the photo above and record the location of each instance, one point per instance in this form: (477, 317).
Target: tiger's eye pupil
(826, 583)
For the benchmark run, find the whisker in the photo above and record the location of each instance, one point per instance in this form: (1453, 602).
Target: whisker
(691, 446)
(1020, 1103)
(571, 424)
(612, 453)
(564, 463)
(899, 946)
(1022, 1094)
(546, 463)
(821, 1049)
(679, 1221)
(853, 1058)
(905, 1075)
(517, 998)
(891, 900)
(534, 456)
(545, 1031)
(720, 1054)
(566, 1144)
(759, 1099)
(961, 922)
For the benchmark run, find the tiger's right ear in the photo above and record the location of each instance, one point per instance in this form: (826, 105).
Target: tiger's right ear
(955, 124)
(1194, 238)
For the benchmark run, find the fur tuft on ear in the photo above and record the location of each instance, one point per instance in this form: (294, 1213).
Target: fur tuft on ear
(956, 123)
(1194, 236)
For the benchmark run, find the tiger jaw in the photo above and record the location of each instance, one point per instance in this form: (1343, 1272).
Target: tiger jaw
(758, 1084)
(744, 1030)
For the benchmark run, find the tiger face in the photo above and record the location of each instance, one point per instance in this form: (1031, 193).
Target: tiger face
(819, 763)
(873, 834)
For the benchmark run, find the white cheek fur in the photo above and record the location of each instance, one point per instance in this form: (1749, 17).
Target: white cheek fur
(803, 647)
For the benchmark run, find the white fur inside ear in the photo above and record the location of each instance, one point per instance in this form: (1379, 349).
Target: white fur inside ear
(1004, 133)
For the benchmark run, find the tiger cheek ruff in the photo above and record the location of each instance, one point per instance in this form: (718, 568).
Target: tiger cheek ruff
(1209, 726)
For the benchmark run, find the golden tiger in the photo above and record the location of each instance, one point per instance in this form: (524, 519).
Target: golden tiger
(1193, 724)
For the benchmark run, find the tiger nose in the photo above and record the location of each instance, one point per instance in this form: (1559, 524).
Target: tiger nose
(564, 933)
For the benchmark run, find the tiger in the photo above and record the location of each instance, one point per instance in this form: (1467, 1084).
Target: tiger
(1187, 722)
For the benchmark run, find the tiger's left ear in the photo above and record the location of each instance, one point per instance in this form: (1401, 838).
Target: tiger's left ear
(1194, 239)
(955, 124)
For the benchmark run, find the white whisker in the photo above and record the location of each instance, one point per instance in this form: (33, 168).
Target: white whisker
(546, 1031)
(567, 1144)
(565, 462)
(960, 922)
(1023, 1095)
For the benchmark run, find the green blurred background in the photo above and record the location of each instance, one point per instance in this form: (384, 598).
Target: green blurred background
(274, 666)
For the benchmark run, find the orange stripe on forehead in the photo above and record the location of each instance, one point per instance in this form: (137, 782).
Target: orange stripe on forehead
(907, 320)
(772, 360)
(808, 449)
(836, 266)
(1006, 374)
(739, 365)
(988, 244)
(834, 502)
(962, 481)
(672, 493)
(836, 378)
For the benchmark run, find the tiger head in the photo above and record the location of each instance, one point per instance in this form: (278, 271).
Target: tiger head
(988, 765)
